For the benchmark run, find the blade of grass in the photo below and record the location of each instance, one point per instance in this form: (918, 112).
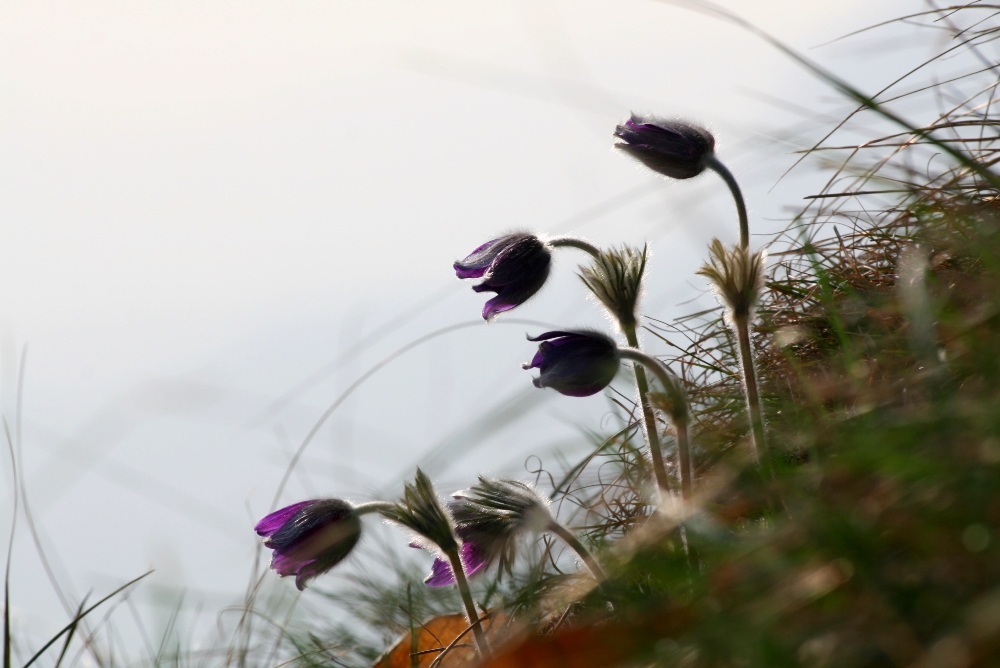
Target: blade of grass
(76, 620)
(10, 550)
(72, 632)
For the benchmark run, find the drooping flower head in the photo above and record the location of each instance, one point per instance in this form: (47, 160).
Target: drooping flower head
(514, 266)
(489, 518)
(576, 363)
(673, 148)
(309, 538)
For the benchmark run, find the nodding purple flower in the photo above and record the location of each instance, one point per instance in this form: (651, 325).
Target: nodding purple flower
(575, 363)
(673, 148)
(514, 266)
(309, 538)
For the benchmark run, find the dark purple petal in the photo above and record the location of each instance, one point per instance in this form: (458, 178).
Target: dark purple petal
(551, 335)
(479, 260)
(283, 564)
(441, 574)
(536, 361)
(485, 287)
(273, 522)
(474, 558)
(496, 306)
(306, 573)
(469, 273)
(482, 248)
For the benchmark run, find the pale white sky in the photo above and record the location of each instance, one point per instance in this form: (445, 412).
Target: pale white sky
(202, 203)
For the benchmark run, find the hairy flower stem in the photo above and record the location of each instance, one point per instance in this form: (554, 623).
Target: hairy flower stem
(649, 417)
(470, 606)
(572, 242)
(372, 507)
(742, 326)
(570, 539)
(684, 454)
(679, 414)
(734, 188)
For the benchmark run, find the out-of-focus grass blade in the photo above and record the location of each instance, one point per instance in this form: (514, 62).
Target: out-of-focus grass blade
(76, 620)
(846, 89)
(10, 551)
(72, 631)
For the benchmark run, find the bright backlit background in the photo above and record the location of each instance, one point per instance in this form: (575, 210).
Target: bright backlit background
(215, 216)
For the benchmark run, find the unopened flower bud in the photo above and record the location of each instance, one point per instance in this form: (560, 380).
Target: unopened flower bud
(615, 278)
(673, 148)
(422, 513)
(575, 363)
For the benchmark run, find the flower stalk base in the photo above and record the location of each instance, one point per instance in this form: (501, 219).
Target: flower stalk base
(649, 417)
(742, 326)
(470, 605)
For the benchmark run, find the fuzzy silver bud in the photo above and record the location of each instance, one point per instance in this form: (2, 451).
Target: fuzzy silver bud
(422, 512)
(737, 275)
(495, 512)
(615, 279)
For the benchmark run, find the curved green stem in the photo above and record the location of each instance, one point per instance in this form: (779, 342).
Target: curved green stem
(734, 188)
(742, 326)
(573, 242)
(679, 413)
(649, 417)
(470, 606)
(372, 507)
(570, 539)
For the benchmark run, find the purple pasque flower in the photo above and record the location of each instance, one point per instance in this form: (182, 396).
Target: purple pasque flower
(673, 148)
(514, 266)
(309, 538)
(577, 363)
